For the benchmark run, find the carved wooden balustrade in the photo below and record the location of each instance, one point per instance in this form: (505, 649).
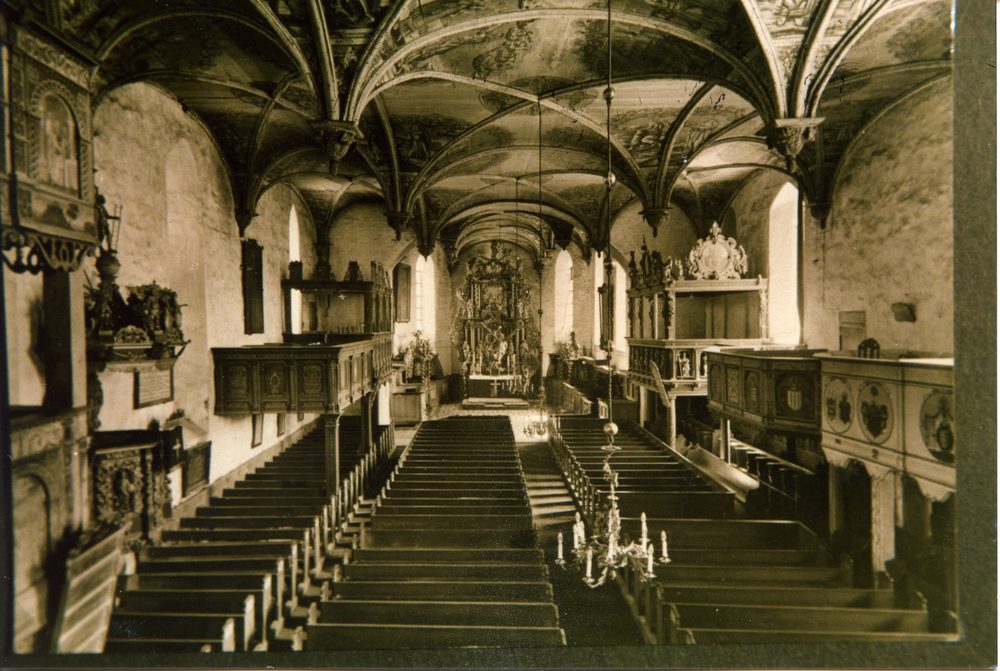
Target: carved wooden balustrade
(588, 500)
(279, 378)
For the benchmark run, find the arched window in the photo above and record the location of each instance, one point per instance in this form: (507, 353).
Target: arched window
(783, 267)
(294, 255)
(418, 293)
(563, 284)
(427, 300)
(621, 316)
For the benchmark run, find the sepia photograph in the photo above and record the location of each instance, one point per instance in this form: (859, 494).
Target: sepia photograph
(498, 333)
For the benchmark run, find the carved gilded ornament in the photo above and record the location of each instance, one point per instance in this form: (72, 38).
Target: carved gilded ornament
(717, 257)
(54, 58)
(33, 251)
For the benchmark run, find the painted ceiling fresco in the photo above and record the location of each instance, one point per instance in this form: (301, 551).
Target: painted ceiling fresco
(442, 108)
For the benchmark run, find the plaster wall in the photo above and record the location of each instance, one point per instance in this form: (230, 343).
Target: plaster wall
(751, 208)
(584, 298)
(764, 239)
(361, 234)
(889, 234)
(178, 229)
(675, 239)
(24, 331)
(436, 307)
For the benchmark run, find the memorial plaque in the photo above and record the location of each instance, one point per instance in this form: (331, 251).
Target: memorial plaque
(153, 386)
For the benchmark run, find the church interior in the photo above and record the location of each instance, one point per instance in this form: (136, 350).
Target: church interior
(340, 325)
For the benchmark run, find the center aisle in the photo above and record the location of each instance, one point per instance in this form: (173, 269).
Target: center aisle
(590, 617)
(450, 559)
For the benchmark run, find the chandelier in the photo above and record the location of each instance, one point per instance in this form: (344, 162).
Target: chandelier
(539, 427)
(608, 550)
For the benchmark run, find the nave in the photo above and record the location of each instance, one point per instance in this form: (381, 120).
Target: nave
(453, 543)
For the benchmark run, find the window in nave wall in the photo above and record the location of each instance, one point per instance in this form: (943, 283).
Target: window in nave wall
(619, 355)
(783, 270)
(563, 302)
(294, 254)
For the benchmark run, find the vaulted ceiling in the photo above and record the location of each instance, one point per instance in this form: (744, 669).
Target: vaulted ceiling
(465, 116)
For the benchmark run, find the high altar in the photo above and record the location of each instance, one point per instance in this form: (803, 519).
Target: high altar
(497, 340)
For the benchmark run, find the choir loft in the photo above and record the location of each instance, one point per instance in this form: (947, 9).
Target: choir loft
(379, 324)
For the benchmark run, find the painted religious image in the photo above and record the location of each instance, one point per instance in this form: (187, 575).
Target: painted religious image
(59, 164)
(509, 333)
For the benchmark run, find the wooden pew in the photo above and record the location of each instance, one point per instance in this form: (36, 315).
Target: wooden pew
(473, 613)
(526, 556)
(186, 626)
(452, 572)
(375, 636)
(451, 538)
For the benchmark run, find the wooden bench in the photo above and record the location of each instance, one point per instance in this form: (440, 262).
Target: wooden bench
(188, 600)
(196, 627)
(672, 574)
(449, 590)
(256, 522)
(450, 538)
(834, 597)
(429, 555)
(714, 533)
(481, 571)
(385, 520)
(414, 509)
(472, 613)
(756, 636)
(375, 636)
(799, 618)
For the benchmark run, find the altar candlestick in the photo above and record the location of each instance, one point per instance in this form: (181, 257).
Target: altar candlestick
(649, 561)
(645, 533)
(663, 542)
(560, 555)
(590, 559)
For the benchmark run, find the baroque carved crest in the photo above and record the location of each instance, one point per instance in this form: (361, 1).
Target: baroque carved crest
(717, 257)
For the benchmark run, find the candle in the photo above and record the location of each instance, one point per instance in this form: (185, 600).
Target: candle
(649, 561)
(590, 559)
(663, 542)
(560, 555)
(645, 533)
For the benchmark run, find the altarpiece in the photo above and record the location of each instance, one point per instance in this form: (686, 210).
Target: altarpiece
(496, 337)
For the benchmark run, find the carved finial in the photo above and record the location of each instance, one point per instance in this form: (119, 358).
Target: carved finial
(820, 210)
(426, 248)
(656, 217)
(337, 138)
(398, 221)
(788, 136)
(244, 216)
